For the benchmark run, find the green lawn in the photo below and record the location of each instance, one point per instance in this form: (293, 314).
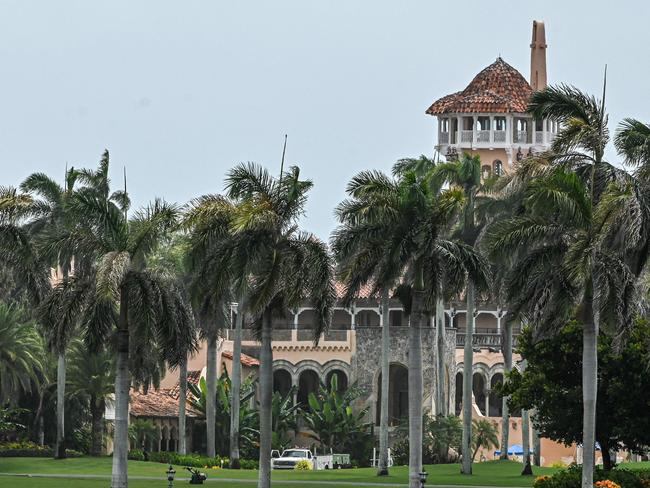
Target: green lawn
(495, 473)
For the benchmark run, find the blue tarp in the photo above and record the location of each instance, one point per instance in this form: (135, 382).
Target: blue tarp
(514, 450)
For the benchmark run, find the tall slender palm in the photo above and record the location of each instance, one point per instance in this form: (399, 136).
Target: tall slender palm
(407, 219)
(90, 378)
(285, 267)
(466, 174)
(571, 246)
(143, 309)
(211, 245)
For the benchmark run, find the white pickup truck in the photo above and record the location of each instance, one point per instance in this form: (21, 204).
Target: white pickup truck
(290, 458)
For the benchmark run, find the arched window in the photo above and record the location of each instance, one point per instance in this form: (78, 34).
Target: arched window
(497, 167)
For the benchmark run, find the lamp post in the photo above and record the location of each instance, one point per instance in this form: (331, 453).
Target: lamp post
(423, 478)
(170, 476)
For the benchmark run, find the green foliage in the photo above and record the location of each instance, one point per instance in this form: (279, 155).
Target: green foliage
(551, 386)
(572, 477)
(284, 419)
(484, 435)
(441, 434)
(142, 433)
(136, 455)
(21, 353)
(248, 417)
(191, 460)
(8, 423)
(333, 422)
(30, 449)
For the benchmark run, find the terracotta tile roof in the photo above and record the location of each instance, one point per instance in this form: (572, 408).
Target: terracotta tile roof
(364, 292)
(157, 403)
(192, 377)
(499, 88)
(246, 360)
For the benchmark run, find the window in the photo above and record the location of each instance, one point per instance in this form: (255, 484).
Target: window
(486, 172)
(497, 167)
(499, 123)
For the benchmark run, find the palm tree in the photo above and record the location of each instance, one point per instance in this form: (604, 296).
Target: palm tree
(211, 244)
(21, 353)
(579, 240)
(90, 378)
(405, 220)
(151, 315)
(466, 174)
(285, 268)
(484, 436)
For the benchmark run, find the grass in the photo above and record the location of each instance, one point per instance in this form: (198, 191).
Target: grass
(494, 473)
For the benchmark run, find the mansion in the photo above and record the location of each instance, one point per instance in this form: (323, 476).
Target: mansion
(488, 117)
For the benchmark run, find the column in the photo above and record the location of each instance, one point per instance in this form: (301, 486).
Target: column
(491, 129)
(474, 130)
(295, 386)
(487, 402)
(459, 132)
(499, 321)
(295, 319)
(353, 315)
(509, 129)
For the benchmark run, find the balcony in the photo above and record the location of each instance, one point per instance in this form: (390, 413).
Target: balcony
(467, 136)
(483, 136)
(483, 340)
(284, 337)
(499, 136)
(520, 137)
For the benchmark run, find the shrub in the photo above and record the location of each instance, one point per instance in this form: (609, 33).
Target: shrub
(136, 455)
(303, 465)
(30, 449)
(616, 478)
(559, 465)
(249, 463)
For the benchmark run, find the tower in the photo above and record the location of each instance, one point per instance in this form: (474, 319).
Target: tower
(538, 57)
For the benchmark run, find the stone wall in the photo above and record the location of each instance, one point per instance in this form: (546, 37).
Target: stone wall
(366, 363)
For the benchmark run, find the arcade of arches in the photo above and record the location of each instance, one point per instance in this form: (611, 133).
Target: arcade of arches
(306, 377)
(484, 391)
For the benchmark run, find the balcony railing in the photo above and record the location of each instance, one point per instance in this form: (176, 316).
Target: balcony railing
(483, 136)
(291, 335)
(499, 136)
(467, 136)
(444, 138)
(521, 136)
(483, 340)
(539, 137)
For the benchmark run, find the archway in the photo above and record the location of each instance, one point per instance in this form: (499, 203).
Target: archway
(308, 382)
(281, 381)
(458, 400)
(367, 318)
(398, 394)
(496, 400)
(478, 388)
(341, 379)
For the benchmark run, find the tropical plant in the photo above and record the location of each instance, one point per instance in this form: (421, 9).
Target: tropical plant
(91, 379)
(484, 436)
(285, 419)
(143, 433)
(209, 220)
(142, 308)
(21, 353)
(331, 420)
(579, 238)
(284, 266)
(407, 218)
(465, 174)
(442, 434)
(198, 396)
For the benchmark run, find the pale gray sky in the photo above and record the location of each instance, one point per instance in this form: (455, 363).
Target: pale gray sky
(181, 91)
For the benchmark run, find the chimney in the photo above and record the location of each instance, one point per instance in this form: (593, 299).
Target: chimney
(538, 57)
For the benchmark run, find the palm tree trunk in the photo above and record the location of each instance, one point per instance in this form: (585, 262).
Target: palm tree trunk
(211, 400)
(385, 381)
(589, 391)
(37, 426)
(182, 404)
(122, 386)
(236, 387)
(415, 389)
(537, 444)
(97, 428)
(505, 419)
(59, 451)
(468, 359)
(266, 393)
(441, 396)
(525, 441)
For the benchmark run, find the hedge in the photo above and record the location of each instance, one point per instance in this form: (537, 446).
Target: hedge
(191, 460)
(30, 449)
(572, 478)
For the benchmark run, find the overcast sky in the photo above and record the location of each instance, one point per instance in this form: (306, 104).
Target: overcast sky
(181, 91)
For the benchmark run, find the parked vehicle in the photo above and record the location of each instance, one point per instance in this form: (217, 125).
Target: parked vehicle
(290, 458)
